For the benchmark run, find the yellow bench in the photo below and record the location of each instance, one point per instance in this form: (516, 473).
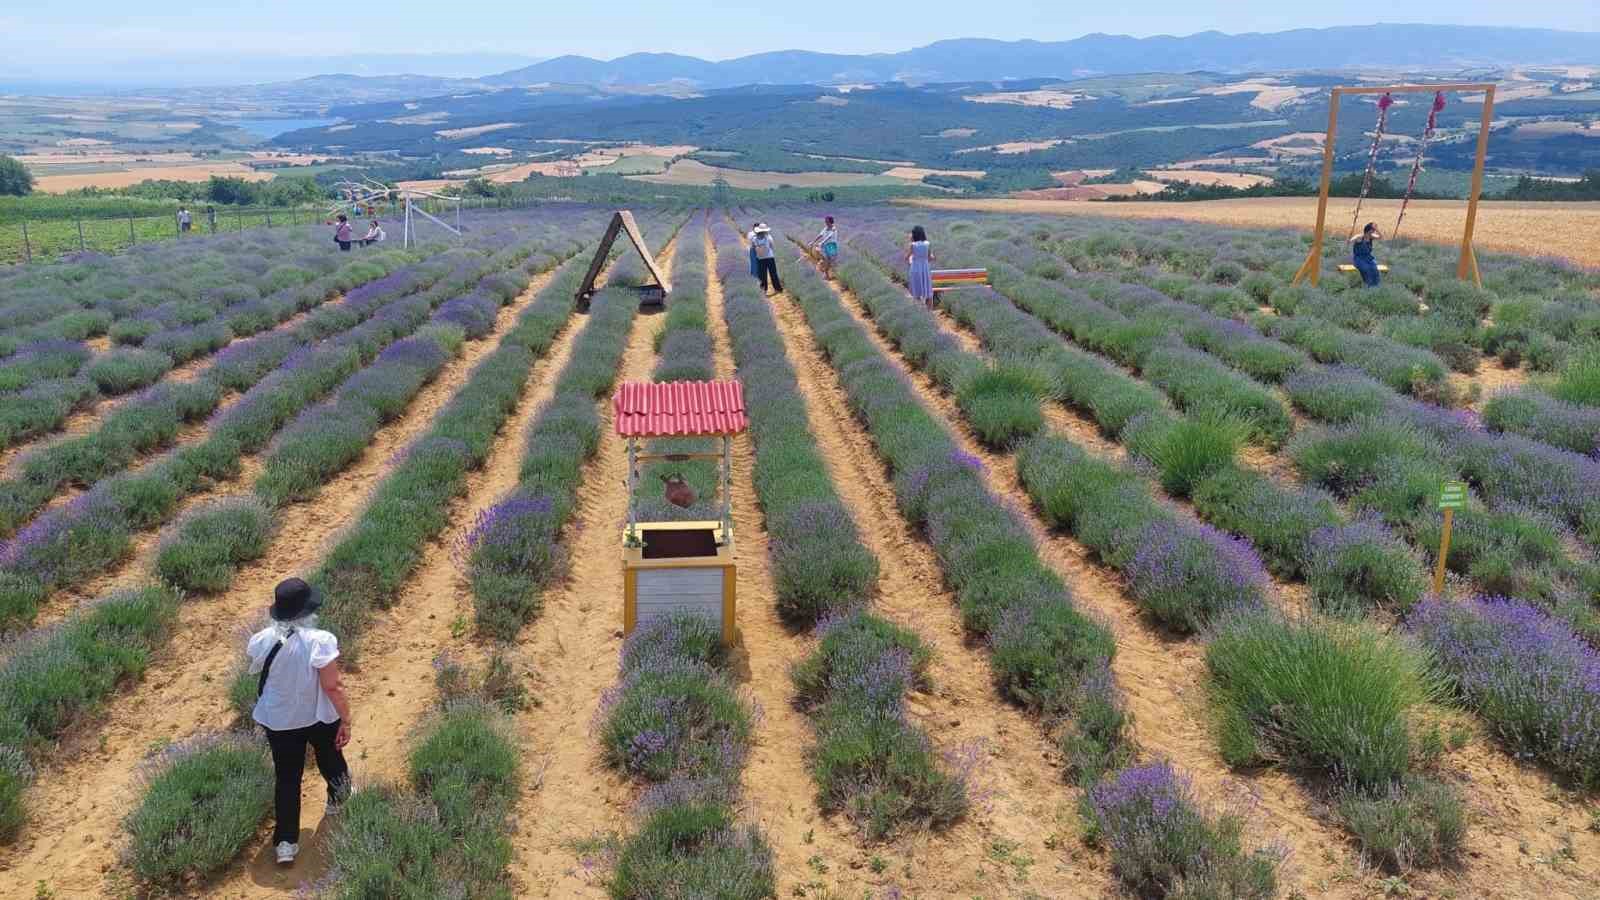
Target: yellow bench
(1346, 267)
(945, 279)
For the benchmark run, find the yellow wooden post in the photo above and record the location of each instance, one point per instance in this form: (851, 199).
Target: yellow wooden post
(1467, 266)
(1312, 268)
(1444, 551)
(1452, 496)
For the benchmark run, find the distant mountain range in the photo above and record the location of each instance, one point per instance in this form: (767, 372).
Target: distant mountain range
(1432, 47)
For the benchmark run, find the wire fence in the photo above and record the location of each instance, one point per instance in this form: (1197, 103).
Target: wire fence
(25, 239)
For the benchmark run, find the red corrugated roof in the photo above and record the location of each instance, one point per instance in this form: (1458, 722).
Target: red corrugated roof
(679, 409)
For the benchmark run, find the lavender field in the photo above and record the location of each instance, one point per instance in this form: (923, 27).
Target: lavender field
(1112, 577)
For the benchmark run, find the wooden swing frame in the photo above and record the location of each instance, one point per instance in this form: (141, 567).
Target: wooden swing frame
(1467, 264)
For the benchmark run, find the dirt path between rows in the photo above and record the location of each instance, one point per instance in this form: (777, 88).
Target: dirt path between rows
(1161, 679)
(1022, 813)
(393, 691)
(572, 649)
(73, 839)
(1519, 820)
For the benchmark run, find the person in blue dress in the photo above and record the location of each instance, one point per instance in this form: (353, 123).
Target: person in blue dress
(919, 255)
(755, 264)
(1362, 256)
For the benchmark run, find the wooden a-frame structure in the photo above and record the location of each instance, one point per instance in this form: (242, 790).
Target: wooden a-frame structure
(622, 221)
(1467, 265)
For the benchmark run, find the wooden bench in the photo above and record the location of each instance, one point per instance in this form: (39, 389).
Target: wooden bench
(1346, 267)
(947, 279)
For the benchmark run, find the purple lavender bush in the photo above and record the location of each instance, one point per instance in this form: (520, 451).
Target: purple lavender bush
(1535, 682)
(1163, 844)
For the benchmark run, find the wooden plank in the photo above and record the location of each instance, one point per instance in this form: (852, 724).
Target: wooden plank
(1464, 86)
(632, 228)
(1468, 263)
(1312, 269)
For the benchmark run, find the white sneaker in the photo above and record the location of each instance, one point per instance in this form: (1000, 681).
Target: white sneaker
(287, 852)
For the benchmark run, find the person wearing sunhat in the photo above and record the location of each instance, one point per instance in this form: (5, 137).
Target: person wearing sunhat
(301, 702)
(766, 258)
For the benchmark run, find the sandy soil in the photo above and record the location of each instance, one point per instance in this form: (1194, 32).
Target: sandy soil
(1023, 813)
(690, 171)
(1540, 229)
(432, 616)
(1159, 677)
(1519, 820)
(573, 650)
(73, 841)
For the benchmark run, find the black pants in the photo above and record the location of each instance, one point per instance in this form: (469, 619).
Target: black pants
(768, 269)
(344, 245)
(289, 762)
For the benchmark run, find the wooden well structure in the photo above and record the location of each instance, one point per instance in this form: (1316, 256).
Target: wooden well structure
(679, 566)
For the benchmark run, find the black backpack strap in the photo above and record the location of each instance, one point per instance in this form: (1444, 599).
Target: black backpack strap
(266, 666)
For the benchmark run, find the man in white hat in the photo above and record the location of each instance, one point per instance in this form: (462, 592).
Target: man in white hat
(766, 258)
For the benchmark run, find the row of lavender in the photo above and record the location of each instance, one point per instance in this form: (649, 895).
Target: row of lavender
(1532, 311)
(675, 722)
(1047, 656)
(1550, 326)
(40, 702)
(513, 551)
(869, 760)
(69, 544)
(1194, 579)
(1290, 525)
(1499, 556)
(463, 748)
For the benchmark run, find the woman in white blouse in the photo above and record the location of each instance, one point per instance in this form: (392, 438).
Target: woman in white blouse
(301, 702)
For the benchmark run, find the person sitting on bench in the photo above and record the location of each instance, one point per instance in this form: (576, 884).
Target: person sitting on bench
(1362, 254)
(374, 234)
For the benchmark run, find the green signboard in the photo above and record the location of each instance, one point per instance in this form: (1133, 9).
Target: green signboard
(1453, 495)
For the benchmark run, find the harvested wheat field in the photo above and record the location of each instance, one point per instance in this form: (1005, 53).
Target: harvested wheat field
(1107, 576)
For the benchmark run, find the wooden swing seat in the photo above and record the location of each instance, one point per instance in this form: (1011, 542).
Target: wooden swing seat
(945, 279)
(1346, 267)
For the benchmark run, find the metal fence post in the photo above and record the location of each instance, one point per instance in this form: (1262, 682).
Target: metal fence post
(238, 216)
(27, 248)
(81, 246)
(131, 238)
(269, 218)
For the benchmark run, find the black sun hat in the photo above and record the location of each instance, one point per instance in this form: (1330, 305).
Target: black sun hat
(294, 598)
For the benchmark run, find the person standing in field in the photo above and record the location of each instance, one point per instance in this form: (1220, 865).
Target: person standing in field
(343, 233)
(1362, 256)
(919, 256)
(184, 219)
(827, 241)
(766, 259)
(750, 238)
(301, 702)
(211, 217)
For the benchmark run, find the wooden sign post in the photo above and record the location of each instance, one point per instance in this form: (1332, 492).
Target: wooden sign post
(1452, 496)
(650, 294)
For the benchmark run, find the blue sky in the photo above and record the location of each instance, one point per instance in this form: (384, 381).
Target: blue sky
(58, 39)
